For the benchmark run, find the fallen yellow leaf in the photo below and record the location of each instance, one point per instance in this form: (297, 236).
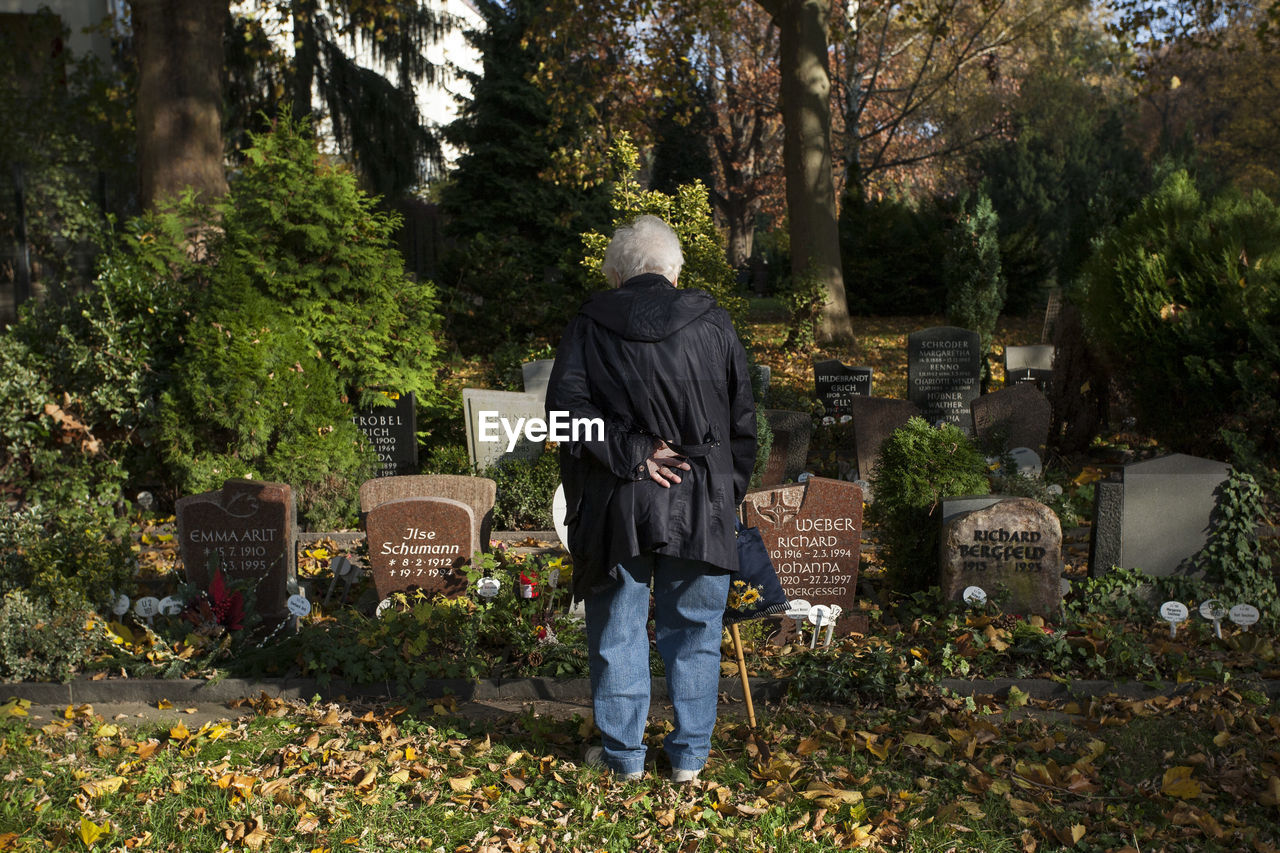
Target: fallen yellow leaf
(15, 708)
(102, 787)
(90, 832)
(1178, 783)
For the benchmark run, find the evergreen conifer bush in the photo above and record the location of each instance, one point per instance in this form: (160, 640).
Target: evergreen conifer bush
(971, 267)
(919, 466)
(1184, 296)
(308, 310)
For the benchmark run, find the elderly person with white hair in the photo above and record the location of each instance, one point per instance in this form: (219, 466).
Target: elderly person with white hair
(653, 501)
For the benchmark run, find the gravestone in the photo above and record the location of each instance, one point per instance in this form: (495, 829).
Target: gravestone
(836, 384)
(536, 375)
(1020, 414)
(763, 376)
(487, 440)
(813, 531)
(393, 432)
(421, 542)
(1012, 550)
(959, 505)
(478, 493)
(874, 420)
(944, 369)
(1165, 510)
(251, 527)
(792, 432)
(1031, 365)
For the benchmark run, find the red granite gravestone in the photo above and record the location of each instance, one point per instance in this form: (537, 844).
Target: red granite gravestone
(250, 527)
(421, 542)
(813, 531)
(479, 493)
(1012, 550)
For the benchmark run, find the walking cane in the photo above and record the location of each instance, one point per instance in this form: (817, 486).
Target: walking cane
(742, 672)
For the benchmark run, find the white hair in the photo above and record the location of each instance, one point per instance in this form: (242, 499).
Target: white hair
(647, 245)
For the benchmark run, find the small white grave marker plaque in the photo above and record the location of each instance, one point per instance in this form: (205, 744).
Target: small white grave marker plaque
(488, 587)
(121, 607)
(298, 605)
(147, 607)
(382, 607)
(1173, 612)
(1244, 615)
(974, 595)
(170, 606)
(1215, 611)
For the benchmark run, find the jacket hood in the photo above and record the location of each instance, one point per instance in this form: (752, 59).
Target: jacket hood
(647, 308)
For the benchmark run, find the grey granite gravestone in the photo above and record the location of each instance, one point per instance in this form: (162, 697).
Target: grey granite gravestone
(393, 432)
(874, 420)
(484, 411)
(1028, 364)
(792, 432)
(944, 371)
(250, 528)
(836, 384)
(813, 531)
(479, 493)
(1165, 508)
(421, 542)
(1017, 416)
(536, 375)
(1012, 549)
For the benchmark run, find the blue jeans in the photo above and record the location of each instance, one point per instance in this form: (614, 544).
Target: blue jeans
(689, 599)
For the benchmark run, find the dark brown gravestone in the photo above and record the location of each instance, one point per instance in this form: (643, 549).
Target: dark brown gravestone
(479, 493)
(874, 420)
(1012, 550)
(792, 432)
(420, 542)
(250, 526)
(1020, 414)
(813, 531)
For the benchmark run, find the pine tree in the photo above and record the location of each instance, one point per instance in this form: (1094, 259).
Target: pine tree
(971, 267)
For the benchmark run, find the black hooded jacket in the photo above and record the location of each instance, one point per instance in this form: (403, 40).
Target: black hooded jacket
(653, 362)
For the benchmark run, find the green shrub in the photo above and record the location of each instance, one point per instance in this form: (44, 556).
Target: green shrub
(82, 373)
(1234, 559)
(69, 558)
(308, 311)
(526, 490)
(1185, 299)
(975, 280)
(919, 466)
(43, 643)
(890, 248)
(804, 298)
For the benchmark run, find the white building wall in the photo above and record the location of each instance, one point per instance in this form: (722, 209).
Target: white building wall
(438, 103)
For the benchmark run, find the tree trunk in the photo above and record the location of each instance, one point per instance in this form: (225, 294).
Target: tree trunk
(806, 152)
(179, 110)
(304, 56)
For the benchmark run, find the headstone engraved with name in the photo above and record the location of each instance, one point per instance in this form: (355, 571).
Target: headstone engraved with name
(420, 542)
(944, 371)
(487, 440)
(479, 493)
(250, 526)
(836, 383)
(874, 420)
(1011, 549)
(393, 432)
(813, 531)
